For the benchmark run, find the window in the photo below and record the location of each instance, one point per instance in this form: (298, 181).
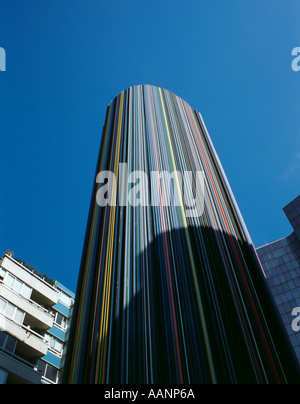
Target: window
(2, 339)
(7, 342)
(9, 280)
(2, 305)
(66, 299)
(278, 252)
(10, 344)
(11, 311)
(19, 314)
(51, 373)
(61, 320)
(54, 343)
(57, 345)
(26, 291)
(48, 371)
(17, 285)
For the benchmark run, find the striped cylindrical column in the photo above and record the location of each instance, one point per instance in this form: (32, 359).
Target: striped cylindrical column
(170, 288)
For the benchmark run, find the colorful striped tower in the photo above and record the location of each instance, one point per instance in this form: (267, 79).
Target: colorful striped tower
(166, 296)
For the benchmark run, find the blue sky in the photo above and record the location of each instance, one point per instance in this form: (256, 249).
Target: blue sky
(66, 60)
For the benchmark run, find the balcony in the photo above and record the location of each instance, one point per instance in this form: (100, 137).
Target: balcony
(20, 371)
(34, 343)
(36, 315)
(43, 293)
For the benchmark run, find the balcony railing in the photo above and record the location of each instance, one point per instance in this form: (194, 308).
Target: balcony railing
(27, 329)
(43, 278)
(19, 359)
(35, 304)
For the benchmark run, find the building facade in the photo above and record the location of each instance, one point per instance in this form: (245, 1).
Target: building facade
(34, 319)
(51, 365)
(170, 287)
(281, 263)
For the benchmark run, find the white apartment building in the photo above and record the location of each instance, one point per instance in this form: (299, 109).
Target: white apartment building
(26, 316)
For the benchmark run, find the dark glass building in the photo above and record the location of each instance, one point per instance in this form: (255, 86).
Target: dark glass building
(281, 263)
(170, 287)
